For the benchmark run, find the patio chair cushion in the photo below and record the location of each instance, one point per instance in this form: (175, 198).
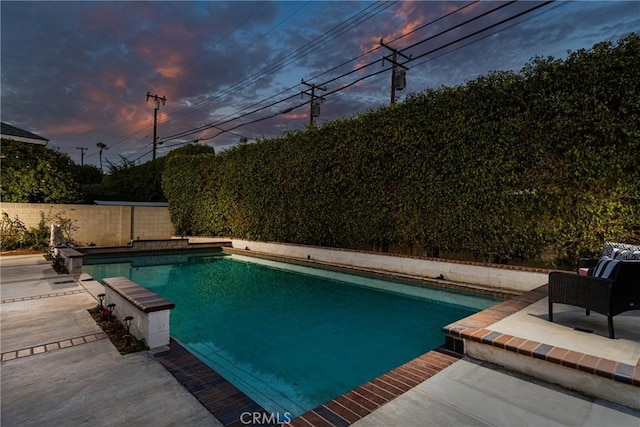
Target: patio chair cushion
(613, 248)
(606, 268)
(626, 254)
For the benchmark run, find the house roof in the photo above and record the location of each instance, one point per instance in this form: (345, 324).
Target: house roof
(21, 135)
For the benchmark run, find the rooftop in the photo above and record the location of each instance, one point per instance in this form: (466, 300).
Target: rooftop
(11, 132)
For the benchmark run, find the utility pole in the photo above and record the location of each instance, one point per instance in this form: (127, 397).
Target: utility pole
(156, 107)
(82, 150)
(397, 79)
(314, 110)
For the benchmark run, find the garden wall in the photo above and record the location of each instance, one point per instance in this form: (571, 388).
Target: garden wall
(102, 225)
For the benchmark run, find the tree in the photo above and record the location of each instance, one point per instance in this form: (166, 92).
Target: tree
(89, 177)
(37, 174)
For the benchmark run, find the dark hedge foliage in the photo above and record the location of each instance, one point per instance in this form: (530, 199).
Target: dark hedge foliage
(37, 174)
(507, 166)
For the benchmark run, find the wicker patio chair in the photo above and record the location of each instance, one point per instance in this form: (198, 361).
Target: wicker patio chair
(610, 297)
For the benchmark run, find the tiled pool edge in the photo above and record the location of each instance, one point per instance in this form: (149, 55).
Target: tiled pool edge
(473, 328)
(366, 398)
(224, 400)
(227, 403)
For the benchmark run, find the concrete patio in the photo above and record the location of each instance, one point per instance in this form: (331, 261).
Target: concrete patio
(58, 368)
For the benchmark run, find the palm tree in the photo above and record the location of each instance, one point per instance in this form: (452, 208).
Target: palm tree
(101, 146)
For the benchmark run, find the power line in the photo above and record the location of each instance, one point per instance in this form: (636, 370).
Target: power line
(218, 123)
(336, 31)
(387, 69)
(486, 35)
(345, 87)
(364, 18)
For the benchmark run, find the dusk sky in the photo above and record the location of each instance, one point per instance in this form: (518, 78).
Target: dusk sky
(77, 73)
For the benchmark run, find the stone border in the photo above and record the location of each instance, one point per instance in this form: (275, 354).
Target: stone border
(416, 280)
(606, 368)
(57, 294)
(52, 346)
(508, 279)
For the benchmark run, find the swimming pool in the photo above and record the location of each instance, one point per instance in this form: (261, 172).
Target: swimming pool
(291, 337)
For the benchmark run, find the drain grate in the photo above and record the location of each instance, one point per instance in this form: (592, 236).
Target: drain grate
(63, 281)
(589, 331)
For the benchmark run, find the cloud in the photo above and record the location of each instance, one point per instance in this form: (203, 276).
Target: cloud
(69, 128)
(80, 71)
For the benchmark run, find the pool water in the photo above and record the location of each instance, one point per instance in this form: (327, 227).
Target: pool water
(292, 337)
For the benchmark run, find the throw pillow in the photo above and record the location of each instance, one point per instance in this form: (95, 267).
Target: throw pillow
(610, 248)
(605, 267)
(622, 254)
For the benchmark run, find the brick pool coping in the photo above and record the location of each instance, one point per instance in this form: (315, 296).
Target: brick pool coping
(474, 328)
(224, 400)
(227, 403)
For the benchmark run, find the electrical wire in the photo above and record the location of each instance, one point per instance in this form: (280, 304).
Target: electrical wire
(344, 87)
(363, 18)
(218, 123)
(237, 27)
(304, 50)
(494, 25)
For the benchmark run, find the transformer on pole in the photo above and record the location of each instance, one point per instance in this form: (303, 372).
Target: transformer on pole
(314, 108)
(398, 77)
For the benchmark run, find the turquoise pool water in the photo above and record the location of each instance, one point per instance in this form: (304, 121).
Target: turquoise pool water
(292, 337)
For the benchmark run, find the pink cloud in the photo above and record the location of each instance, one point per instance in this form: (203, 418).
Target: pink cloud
(70, 128)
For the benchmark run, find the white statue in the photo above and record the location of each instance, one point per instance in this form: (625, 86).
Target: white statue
(56, 237)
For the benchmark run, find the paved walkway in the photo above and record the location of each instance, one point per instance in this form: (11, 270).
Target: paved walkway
(58, 368)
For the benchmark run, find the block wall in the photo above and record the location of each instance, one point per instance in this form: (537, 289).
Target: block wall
(102, 225)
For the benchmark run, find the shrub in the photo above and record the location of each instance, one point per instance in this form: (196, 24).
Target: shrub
(13, 233)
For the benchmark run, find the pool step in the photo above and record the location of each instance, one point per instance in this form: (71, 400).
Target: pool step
(595, 376)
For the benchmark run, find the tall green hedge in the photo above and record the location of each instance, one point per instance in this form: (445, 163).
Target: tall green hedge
(509, 165)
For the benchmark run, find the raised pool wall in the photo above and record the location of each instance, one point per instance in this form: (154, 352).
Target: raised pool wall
(501, 278)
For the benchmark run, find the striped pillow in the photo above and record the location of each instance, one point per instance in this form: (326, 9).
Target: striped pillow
(611, 248)
(606, 267)
(629, 255)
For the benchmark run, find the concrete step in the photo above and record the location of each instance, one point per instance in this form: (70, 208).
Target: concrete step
(575, 352)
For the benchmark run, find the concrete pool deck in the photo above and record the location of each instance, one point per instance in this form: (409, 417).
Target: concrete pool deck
(58, 368)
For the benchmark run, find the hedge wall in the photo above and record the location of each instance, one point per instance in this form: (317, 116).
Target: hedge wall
(509, 165)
